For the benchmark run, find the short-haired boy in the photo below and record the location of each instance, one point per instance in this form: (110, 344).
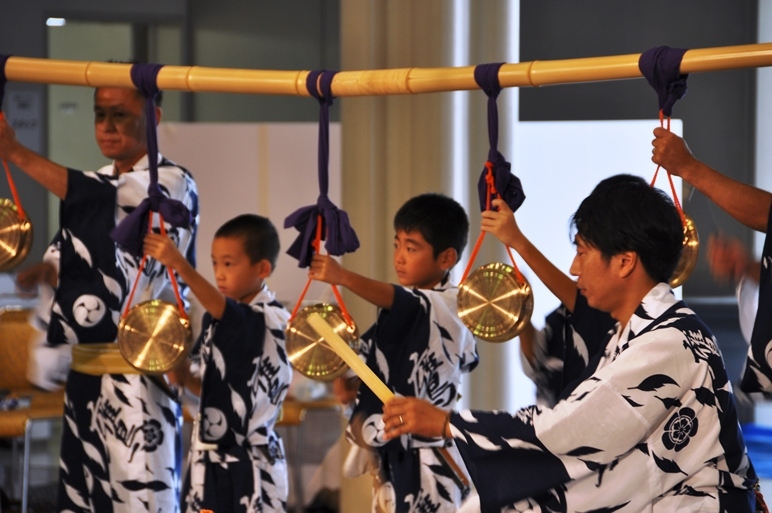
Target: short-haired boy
(236, 461)
(418, 346)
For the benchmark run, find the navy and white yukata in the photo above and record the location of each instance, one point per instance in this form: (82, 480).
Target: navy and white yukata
(758, 369)
(651, 427)
(564, 347)
(121, 446)
(245, 374)
(418, 348)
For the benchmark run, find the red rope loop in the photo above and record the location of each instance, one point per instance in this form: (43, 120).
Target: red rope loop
(677, 203)
(317, 245)
(14, 191)
(172, 278)
(490, 191)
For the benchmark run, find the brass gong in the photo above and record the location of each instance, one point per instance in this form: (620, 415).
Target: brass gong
(153, 337)
(689, 254)
(15, 235)
(308, 353)
(494, 304)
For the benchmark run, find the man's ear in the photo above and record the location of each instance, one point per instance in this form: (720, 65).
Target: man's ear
(447, 258)
(627, 261)
(158, 114)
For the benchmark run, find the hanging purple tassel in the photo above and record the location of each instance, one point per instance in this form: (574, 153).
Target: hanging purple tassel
(339, 236)
(130, 233)
(662, 68)
(508, 186)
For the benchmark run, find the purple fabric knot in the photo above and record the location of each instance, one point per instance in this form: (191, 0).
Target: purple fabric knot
(3, 79)
(662, 68)
(337, 232)
(508, 186)
(130, 233)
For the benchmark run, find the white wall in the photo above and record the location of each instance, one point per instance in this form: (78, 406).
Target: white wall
(268, 169)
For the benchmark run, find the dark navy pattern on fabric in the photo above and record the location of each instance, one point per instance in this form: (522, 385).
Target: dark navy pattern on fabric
(758, 371)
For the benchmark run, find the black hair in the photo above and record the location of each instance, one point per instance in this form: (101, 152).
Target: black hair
(439, 219)
(261, 241)
(624, 213)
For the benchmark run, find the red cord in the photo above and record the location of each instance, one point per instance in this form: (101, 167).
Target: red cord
(677, 203)
(317, 245)
(490, 191)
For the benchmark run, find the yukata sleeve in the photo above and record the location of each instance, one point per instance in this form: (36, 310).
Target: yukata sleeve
(406, 318)
(89, 204)
(239, 334)
(549, 349)
(538, 449)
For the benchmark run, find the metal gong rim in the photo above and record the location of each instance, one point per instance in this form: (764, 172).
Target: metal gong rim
(691, 251)
(153, 337)
(494, 304)
(15, 236)
(308, 353)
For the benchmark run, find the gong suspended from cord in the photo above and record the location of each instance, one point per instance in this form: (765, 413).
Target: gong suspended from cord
(495, 301)
(307, 351)
(153, 336)
(15, 226)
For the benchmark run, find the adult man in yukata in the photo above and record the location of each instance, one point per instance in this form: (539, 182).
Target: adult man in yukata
(121, 449)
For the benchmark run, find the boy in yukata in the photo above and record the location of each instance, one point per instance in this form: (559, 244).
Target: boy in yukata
(236, 462)
(651, 425)
(418, 346)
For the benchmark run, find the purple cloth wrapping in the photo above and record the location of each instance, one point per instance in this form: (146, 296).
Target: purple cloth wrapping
(130, 233)
(339, 236)
(3, 79)
(662, 68)
(507, 185)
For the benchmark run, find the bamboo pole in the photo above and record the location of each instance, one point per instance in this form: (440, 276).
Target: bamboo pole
(378, 82)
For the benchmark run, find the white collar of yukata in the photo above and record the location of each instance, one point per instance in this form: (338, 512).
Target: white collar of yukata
(444, 284)
(658, 300)
(142, 164)
(265, 295)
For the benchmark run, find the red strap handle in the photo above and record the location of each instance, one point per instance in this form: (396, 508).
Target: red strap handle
(317, 244)
(490, 191)
(12, 185)
(172, 277)
(669, 176)
(14, 192)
